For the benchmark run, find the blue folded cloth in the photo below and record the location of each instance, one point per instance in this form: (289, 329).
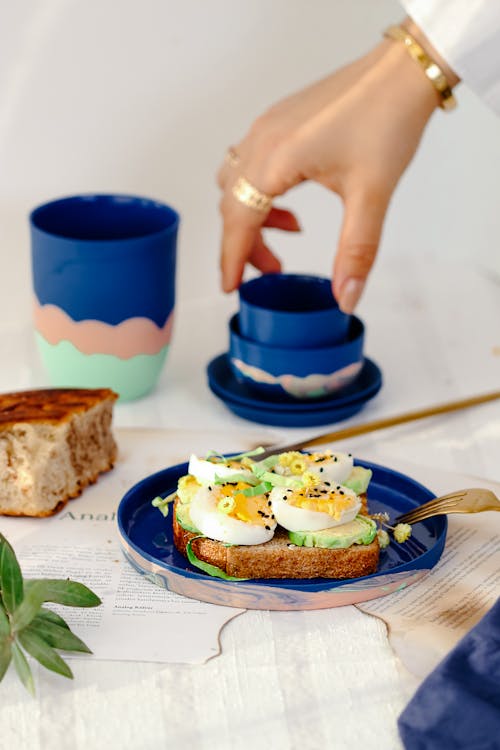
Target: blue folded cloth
(458, 704)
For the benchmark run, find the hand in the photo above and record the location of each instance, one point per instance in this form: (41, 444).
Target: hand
(353, 132)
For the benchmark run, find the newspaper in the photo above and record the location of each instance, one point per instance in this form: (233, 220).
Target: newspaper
(426, 620)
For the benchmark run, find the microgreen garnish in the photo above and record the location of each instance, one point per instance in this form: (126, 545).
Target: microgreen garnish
(212, 570)
(162, 503)
(26, 624)
(234, 478)
(278, 480)
(259, 489)
(238, 457)
(267, 463)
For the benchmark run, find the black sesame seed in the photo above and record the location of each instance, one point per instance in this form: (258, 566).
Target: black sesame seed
(209, 488)
(341, 492)
(335, 458)
(328, 484)
(268, 528)
(269, 502)
(321, 468)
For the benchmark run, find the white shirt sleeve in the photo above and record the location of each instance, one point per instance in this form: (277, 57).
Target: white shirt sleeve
(466, 33)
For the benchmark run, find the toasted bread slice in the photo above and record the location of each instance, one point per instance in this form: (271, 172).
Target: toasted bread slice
(279, 558)
(53, 443)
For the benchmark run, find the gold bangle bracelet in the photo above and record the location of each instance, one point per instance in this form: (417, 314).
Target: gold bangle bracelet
(431, 69)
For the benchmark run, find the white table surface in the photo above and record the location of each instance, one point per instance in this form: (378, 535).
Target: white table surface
(299, 679)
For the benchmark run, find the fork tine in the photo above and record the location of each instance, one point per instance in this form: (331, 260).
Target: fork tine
(426, 512)
(453, 497)
(419, 514)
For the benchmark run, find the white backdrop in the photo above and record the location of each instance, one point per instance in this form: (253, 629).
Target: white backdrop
(143, 96)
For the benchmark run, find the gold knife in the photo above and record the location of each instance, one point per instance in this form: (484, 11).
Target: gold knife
(382, 424)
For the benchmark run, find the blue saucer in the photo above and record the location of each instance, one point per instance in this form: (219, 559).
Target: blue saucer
(222, 380)
(292, 413)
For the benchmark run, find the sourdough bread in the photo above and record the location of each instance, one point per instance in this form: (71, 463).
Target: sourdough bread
(53, 443)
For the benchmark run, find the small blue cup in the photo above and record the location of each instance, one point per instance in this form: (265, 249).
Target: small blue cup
(303, 373)
(291, 311)
(104, 283)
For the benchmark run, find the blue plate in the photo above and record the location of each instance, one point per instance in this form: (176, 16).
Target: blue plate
(222, 381)
(281, 418)
(146, 540)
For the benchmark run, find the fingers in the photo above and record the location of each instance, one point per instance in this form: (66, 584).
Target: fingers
(279, 218)
(241, 239)
(263, 258)
(364, 214)
(238, 242)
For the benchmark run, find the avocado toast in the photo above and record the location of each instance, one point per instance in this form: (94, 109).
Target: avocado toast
(294, 515)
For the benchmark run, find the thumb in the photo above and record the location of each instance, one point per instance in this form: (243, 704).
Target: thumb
(359, 239)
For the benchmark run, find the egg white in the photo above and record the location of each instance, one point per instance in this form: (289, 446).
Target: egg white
(294, 518)
(335, 468)
(222, 527)
(206, 471)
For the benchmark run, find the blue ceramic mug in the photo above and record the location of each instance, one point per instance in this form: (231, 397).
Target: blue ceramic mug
(104, 283)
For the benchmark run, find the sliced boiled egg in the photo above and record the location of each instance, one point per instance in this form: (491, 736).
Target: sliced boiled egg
(206, 471)
(224, 513)
(327, 465)
(315, 507)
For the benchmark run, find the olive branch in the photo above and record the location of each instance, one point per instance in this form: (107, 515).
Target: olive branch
(26, 625)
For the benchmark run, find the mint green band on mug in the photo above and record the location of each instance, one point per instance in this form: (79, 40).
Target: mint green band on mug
(130, 378)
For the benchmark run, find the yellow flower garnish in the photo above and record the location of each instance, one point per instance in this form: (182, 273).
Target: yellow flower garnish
(309, 479)
(298, 466)
(287, 458)
(402, 532)
(226, 504)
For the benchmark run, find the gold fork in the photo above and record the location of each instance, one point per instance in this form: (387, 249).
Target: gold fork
(462, 501)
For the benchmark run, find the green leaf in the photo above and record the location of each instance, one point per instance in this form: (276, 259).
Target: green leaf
(162, 503)
(247, 454)
(56, 636)
(11, 580)
(268, 463)
(23, 669)
(278, 480)
(232, 478)
(49, 616)
(259, 489)
(42, 652)
(237, 457)
(37, 591)
(212, 570)
(4, 622)
(5, 655)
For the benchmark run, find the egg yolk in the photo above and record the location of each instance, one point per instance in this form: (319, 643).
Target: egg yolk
(332, 503)
(255, 510)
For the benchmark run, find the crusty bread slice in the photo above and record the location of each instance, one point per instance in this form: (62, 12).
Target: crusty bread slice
(53, 443)
(279, 558)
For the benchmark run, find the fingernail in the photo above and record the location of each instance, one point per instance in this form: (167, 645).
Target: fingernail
(352, 290)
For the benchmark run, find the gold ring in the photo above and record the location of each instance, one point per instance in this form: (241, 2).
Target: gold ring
(232, 157)
(250, 196)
